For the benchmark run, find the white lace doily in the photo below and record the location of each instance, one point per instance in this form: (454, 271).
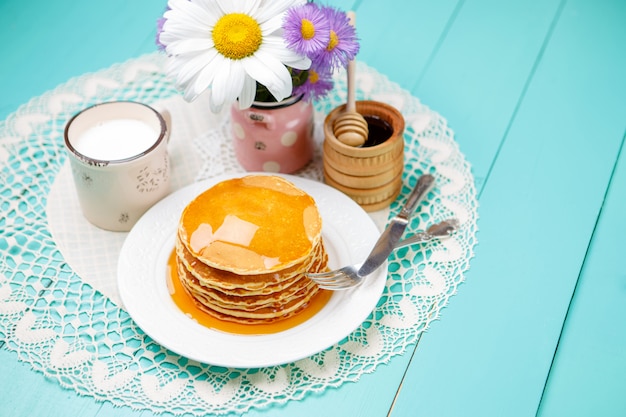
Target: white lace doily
(60, 313)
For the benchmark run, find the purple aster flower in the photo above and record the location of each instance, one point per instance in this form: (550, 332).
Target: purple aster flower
(343, 44)
(160, 23)
(317, 85)
(306, 29)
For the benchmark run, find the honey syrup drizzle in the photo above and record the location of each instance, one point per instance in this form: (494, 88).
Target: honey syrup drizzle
(188, 306)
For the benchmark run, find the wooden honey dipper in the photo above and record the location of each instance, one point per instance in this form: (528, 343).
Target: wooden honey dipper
(350, 127)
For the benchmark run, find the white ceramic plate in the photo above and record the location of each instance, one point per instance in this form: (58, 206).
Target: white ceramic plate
(349, 234)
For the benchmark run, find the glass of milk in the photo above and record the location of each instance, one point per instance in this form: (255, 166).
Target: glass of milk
(119, 159)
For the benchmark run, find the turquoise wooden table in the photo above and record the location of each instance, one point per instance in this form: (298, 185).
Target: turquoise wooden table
(535, 93)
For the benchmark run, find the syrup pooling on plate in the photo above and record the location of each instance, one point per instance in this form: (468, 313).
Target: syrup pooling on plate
(244, 247)
(187, 305)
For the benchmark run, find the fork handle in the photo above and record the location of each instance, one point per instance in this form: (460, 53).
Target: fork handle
(423, 185)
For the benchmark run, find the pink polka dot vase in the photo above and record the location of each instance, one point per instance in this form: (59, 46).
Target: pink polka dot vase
(273, 137)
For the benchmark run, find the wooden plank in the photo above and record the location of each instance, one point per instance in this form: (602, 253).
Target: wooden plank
(588, 375)
(476, 76)
(491, 354)
(399, 44)
(28, 393)
(589, 371)
(50, 42)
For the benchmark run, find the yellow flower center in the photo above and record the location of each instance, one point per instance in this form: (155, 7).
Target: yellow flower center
(334, 40)
(307, 29)
(313, 76)
(237, 35)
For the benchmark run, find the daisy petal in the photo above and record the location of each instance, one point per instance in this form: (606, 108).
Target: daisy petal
(189, 69)
(228, 82)
(270, 72)
(210, 6)
(275, 7)
(190, 13)
(248, 92)
(276, 46)
(189, 45)
(228, 6)
(272, 25)
(204, 78)
(249, 7)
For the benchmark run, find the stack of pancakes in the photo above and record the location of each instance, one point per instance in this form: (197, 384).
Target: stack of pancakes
(244, 246)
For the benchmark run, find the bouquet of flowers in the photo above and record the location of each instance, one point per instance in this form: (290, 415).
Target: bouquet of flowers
(254, 50)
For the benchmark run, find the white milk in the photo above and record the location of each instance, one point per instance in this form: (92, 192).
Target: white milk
(116, 139)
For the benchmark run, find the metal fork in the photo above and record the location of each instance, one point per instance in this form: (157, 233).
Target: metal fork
(349, 276)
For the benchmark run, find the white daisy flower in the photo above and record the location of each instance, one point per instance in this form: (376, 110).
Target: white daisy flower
(226, 46)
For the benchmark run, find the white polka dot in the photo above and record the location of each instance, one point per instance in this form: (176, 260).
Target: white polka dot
(271, 166)
(238, 131)
(293, 123)
(289, 138)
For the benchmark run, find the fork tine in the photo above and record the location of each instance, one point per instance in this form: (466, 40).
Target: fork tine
(328, 278)
(337, 286)
(338, 281)
(330, 274)
(323, 275)
(334, 277)
(334, 284)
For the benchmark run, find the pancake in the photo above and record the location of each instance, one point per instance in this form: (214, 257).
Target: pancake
(244, 246)
(251, 225)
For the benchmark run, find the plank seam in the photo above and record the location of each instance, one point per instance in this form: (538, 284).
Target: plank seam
(395, 397)
(582, 267)
(431, 58)
(525, 88)
(442, 37)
